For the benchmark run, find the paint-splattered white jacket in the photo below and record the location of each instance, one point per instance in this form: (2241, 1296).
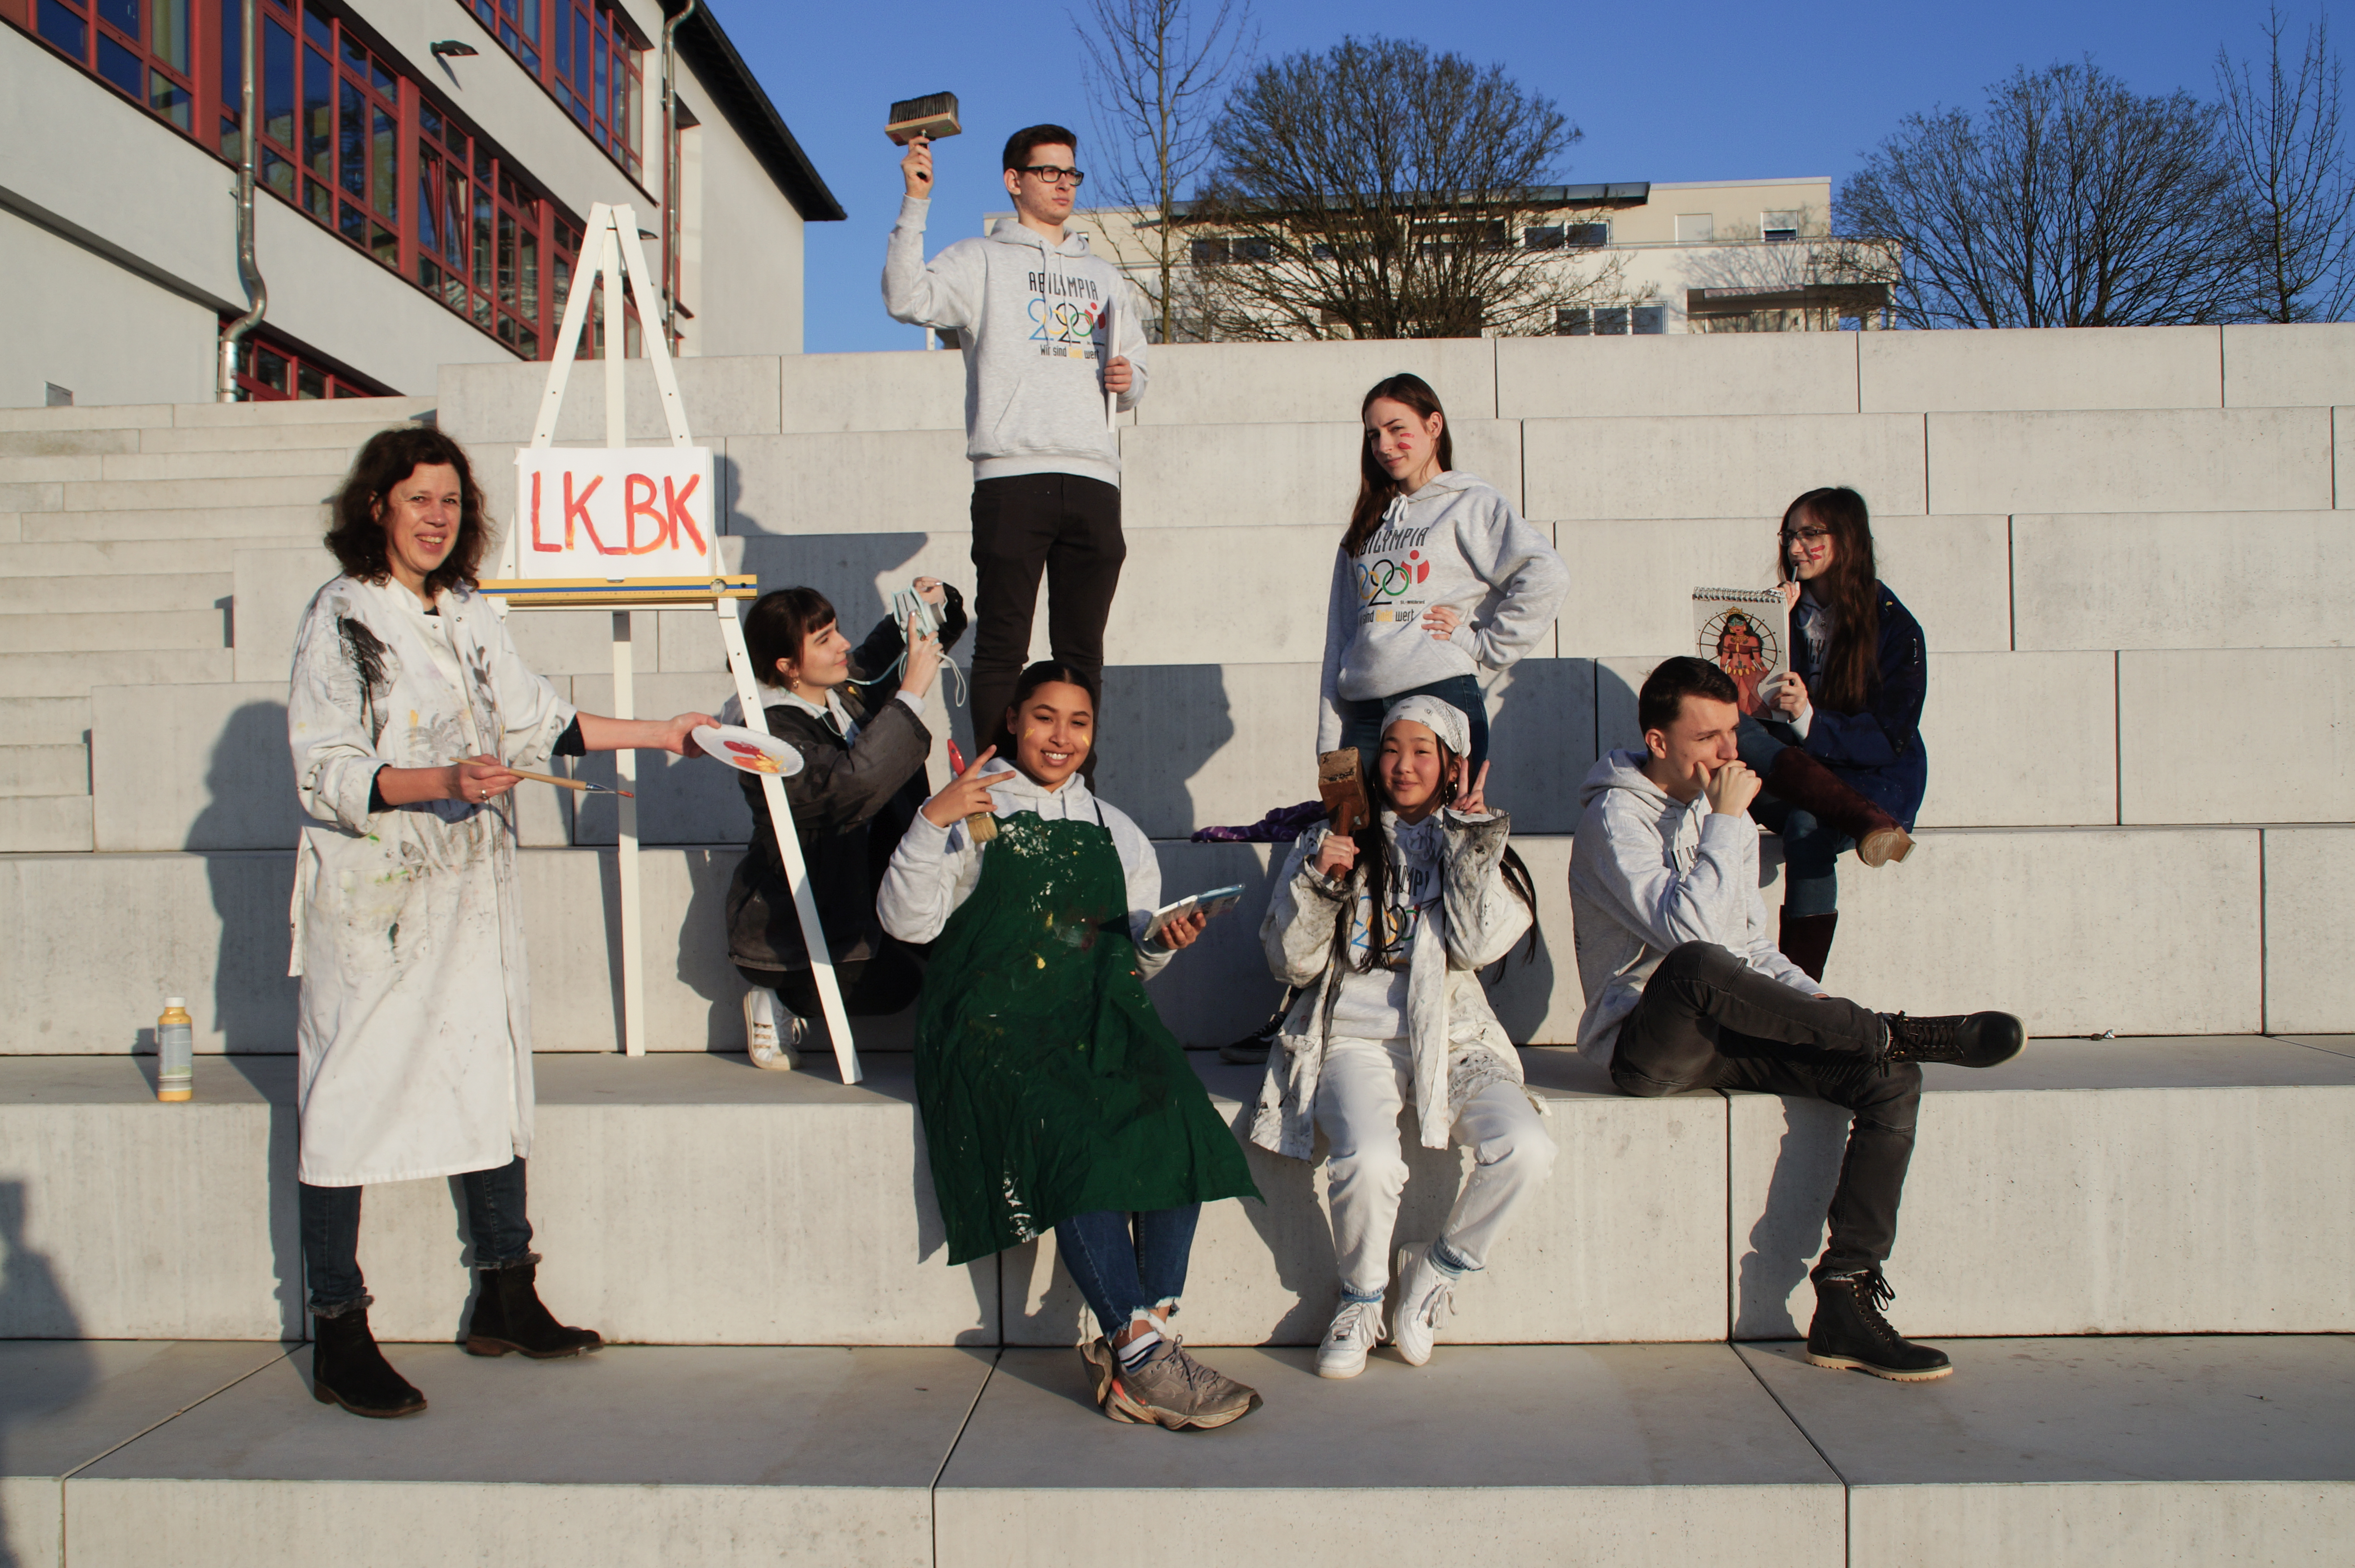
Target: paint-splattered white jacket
(414, 1035)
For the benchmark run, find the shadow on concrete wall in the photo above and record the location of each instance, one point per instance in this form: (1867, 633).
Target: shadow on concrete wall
(702, 943)
(1161, 724)
(243, 831)
(1789, 1229)
(38, 1377)
(272, 1077)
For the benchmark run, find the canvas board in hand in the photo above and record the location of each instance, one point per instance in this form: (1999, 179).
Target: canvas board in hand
(1746, 632)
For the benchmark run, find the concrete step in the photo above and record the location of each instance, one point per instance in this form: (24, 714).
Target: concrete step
(2150, 1450)
(73, 675)
(172, 495)
(110, 416)
(283, 526)
(113, 631)
(45, 720)
(308, 462)
(45, 823)
(1693, 1217)
(202, 555)
(121, 594)
(364, 412)
(44, 770)
(338, 435)
(15, 443)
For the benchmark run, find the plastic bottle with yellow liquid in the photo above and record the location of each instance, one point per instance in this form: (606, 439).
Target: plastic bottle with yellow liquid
(176, 1046)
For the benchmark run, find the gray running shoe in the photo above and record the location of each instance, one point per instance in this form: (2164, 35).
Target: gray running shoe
(1176, 1391)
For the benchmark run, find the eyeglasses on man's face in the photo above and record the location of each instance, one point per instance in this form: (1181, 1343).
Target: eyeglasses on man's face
(1052, 174)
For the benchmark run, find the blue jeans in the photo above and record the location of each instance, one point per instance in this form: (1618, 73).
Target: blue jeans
(331, 1232)
(1123, 1272)
(1362, 722)
(1811, 850)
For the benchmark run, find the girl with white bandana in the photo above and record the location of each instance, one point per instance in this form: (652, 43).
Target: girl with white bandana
(1383, 936)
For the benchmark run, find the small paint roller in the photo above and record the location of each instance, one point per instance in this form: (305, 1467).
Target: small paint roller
(934, 115)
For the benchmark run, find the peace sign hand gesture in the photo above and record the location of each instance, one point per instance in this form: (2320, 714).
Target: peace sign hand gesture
(1471, 799)
(966, 795)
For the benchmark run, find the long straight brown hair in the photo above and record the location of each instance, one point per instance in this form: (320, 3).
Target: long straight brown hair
(1851, 590)
(1376, 489)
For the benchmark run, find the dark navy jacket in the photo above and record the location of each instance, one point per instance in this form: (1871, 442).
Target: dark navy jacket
(1879, 749)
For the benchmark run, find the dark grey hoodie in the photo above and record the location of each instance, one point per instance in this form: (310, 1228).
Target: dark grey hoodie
(1039, 323)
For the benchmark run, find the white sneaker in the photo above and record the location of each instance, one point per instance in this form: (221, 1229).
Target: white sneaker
(1356, 1328)
(771, 1032)
(1426, 1299)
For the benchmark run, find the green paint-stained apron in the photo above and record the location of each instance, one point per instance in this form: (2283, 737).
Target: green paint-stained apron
(1047, 1084)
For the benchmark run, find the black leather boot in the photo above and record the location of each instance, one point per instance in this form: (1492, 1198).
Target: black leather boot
(1807, 940)
(1976, 1039)
(1850, 1332)
(509, 1316)
(346, 1368)
(1797, 779)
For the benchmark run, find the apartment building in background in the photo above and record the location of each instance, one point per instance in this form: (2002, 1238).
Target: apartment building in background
(1638, 258)
(424, 171)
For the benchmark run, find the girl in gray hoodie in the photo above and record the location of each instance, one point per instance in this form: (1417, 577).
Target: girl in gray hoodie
(1438, 580)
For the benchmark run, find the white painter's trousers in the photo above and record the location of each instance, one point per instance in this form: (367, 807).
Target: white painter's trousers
(1363, 1087)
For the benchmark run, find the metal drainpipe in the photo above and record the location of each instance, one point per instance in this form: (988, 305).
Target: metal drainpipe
(670, 177)
(248, 270)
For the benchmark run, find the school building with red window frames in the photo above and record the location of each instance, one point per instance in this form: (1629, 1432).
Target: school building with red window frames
(423, 170)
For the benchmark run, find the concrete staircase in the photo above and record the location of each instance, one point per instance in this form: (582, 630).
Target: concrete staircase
(2128, 552)
(118, 529)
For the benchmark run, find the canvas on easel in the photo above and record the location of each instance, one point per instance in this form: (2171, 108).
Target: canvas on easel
(630, 528)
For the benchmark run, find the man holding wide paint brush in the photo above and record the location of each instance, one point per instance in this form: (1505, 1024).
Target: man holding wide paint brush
(1048, 329)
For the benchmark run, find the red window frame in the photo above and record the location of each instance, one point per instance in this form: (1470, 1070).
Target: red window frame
(351, 138)
(271, 369)
(589, 57)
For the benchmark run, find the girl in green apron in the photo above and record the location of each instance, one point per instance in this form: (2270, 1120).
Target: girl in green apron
(1052, 1095)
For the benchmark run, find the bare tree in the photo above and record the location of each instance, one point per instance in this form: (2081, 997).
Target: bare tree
(1379, 190)
(2073, 201)
(1154, 71)
(2283, 137)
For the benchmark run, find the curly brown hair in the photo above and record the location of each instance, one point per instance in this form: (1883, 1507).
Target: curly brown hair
(356, 532)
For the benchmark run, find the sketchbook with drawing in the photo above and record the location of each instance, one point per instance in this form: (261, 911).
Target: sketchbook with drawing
(1745, 633)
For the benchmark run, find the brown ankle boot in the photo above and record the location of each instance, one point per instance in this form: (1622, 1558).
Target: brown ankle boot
(1797, 779)
(1807, 940)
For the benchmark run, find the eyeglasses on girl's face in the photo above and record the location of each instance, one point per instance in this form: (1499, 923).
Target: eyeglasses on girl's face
(1806, 536)
(1053, 174)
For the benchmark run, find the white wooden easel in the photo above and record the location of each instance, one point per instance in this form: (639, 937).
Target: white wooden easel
(611, 255)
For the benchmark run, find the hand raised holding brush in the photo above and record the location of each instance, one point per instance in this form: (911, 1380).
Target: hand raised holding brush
(968, 797)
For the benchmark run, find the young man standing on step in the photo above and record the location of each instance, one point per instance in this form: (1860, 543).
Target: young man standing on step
(1686, 989)
(1047, 329)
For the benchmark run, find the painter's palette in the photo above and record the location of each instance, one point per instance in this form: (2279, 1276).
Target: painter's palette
(747, 751)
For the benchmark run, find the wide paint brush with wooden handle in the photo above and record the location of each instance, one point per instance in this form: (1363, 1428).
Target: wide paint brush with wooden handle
(932, 116)
(582, 784)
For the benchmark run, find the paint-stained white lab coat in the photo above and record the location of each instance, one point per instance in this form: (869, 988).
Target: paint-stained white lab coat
(415, 1031)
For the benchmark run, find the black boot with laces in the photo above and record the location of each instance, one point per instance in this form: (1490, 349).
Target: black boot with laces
(1850, 1332)
(1977, 1040)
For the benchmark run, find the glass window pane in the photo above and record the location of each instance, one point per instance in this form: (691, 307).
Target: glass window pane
(120, 14)
(385, 246)
(507, 260)
(1651, 319)
(277, 174)
(318, 28)
(233, 145)
(429, 210)
(351, 144)
(277, 83)
(318, 113)
(428, 274)
(527, 273)
(1610, 321)
(527, 13)
(353, 224)
(269, 369)
(483, 251)
(167, 37)
(354, 56)
(170, 100)
(310, 382)
(63, 26)
(603, 111)
(429, 120)
(322, 202)
(453, 220)
(383, 79)
(119, 65)
(232, 56)
(387, 165)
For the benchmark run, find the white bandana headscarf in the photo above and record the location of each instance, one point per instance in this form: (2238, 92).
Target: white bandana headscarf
(1444, 719)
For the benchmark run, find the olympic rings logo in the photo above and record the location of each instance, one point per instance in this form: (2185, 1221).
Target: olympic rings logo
(1064, 322)
(1384, 578)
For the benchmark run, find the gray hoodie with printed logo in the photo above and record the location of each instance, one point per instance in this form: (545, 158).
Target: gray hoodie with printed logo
(1457, 542)
(1038, 322)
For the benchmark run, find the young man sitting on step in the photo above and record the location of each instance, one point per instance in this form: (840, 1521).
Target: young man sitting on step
(1686, 989)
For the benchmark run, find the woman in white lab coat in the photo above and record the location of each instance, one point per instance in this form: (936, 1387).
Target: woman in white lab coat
(409, 707)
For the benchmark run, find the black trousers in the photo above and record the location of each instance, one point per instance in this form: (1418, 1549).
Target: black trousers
(1708, 1020)
(330, 1222)
(1066, 526)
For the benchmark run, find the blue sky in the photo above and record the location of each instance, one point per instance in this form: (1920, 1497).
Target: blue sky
(1704, 90)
